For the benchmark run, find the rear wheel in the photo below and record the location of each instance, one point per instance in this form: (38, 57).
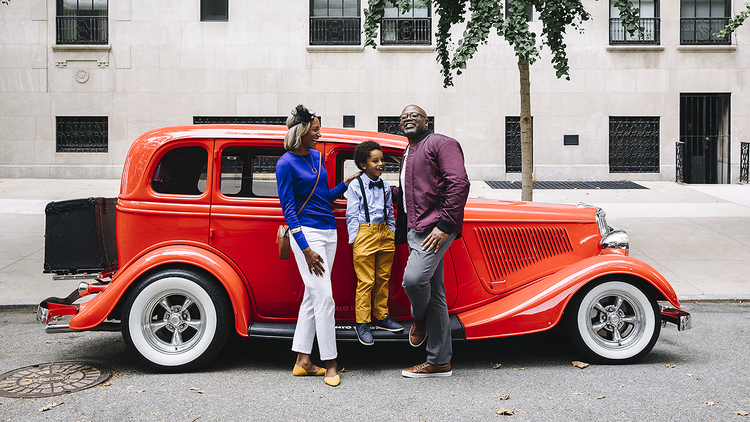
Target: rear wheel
(613, 322)
(176, 319)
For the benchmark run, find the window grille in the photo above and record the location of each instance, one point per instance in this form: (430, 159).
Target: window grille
(392, 124)
(634, 145)
(513, 143)
(82, 134)
(335, 22)
(82, 22)
(240, 120)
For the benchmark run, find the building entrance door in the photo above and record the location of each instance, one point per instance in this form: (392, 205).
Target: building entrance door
(704, 132)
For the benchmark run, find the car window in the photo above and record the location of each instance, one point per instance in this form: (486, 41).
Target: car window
(249, 172)
(390, 173)
(182, 171)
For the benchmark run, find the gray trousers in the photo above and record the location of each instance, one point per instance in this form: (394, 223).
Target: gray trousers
(423, 283)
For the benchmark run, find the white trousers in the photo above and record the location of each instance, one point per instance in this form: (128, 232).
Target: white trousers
(316, 313)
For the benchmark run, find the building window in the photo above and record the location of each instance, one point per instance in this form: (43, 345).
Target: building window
(82, 134)
(82, 22)
(240, 120)
(392, 124)
(649, 20)
(634, 144)
(335, 22)
(528, 10)
(700, 20)
(513, 143)
(412, 27)
(215, 10)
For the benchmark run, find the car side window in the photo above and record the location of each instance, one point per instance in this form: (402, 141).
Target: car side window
(390, 173)
(182, 171)
(249, 172)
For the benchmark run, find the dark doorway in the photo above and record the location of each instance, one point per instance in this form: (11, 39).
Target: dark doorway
(704, 130)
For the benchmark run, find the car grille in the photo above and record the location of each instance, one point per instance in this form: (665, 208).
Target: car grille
(510, 249)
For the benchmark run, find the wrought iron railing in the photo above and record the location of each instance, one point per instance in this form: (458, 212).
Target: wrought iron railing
(512, 144)
(239, 120)
(703, 31)
(82, 29)
(82, 134)
(679, 176)
(334, 31)
(406, 31)
(744, 161)
(651, 34)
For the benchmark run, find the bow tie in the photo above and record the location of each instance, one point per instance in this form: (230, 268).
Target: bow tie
(378, 184)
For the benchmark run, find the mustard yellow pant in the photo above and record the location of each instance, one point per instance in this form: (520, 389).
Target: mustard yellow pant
(373, 252)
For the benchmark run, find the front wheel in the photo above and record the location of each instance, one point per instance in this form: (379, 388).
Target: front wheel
(176, 319)
(613, 322)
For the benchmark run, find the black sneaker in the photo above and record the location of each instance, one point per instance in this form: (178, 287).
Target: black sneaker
(363, 334)
(388, 324)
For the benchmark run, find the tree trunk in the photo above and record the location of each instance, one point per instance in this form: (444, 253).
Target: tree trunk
(527, 146)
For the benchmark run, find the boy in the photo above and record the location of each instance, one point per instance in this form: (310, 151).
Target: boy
(369, 218)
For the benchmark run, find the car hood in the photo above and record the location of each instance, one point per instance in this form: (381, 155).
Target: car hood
(491, 210)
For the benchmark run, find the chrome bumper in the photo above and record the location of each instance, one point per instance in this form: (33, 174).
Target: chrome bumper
(676, 316)
(51, 310)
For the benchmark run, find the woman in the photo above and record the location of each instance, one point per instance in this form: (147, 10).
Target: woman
(313, 240)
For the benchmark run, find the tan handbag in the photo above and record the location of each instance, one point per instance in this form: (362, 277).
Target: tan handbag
(282, 234)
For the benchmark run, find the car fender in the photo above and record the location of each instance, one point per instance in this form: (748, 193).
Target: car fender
(540, 306)
(93, 312)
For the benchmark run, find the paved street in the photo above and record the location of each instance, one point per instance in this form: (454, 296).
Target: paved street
(251, 379)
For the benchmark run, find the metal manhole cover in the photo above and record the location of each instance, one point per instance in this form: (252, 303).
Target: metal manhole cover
(51, 379)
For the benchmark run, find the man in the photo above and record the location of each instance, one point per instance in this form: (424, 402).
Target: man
(430, 200)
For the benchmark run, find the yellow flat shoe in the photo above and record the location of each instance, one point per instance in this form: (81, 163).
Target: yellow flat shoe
(333, 381)
(298, 371)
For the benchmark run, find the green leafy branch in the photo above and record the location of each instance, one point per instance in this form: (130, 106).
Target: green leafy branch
(735, 23)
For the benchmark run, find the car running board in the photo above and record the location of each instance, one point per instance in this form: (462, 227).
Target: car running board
(345, 332)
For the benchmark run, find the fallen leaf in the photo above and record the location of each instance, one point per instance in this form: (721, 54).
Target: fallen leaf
(50, 406)
(690, 375)
(577, 394)
(505, 397)
(669, 365)
(504, 411)
(736, 412)
(579, 364)
(698, 378)
(496, 365)
(709, 403)
(601, 397)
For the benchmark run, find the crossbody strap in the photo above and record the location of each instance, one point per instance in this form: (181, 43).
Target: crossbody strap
(320, 163)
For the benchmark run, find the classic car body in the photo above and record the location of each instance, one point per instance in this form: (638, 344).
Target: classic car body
(196, 220)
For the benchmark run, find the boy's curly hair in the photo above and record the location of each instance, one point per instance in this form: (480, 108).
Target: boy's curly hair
(362, 153)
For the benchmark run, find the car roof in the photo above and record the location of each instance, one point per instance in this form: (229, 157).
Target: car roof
(142, 150)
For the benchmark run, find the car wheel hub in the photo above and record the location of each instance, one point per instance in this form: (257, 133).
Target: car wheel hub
(616, 320)
(172, 323)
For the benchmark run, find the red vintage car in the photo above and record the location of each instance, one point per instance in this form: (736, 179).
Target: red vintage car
(194, 232)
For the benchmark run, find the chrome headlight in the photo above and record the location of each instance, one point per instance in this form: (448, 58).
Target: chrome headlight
(616, 239)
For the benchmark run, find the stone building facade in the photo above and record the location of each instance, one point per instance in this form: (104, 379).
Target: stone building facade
(81, 79)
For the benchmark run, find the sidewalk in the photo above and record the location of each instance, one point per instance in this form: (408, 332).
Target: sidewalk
(698, 237)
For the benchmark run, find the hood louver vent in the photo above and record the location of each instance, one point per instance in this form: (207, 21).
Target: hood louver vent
(510, 249)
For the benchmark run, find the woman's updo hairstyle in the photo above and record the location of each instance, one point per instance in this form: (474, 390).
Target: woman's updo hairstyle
(299, 123)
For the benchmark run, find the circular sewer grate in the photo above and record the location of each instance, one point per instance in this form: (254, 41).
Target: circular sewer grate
(51, 379)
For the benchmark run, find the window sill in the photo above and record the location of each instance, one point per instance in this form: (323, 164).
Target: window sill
(75, 52)
(643, 48)
(335, 48)
(707, 48)
(406, 48)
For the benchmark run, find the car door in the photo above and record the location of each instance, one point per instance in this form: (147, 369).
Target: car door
(245, 216)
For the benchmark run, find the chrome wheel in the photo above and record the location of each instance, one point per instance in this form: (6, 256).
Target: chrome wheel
(173, 321)
(613, 322)
(176, 319)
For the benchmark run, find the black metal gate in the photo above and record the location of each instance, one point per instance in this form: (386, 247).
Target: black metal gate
(704, 132)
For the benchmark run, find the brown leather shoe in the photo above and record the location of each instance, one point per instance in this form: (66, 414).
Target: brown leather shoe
(424, 370)
(418, 332)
